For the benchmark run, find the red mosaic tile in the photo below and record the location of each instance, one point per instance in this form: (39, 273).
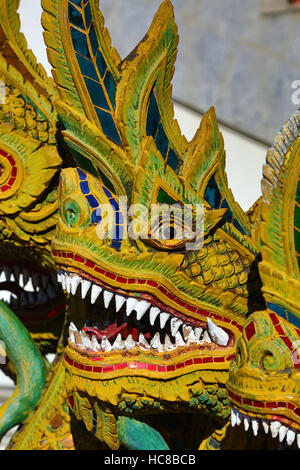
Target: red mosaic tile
(141, 281)
(99, 270)
(110, 275)
(89, 264)
(230, 358)
(107, 369)
(132, 281)
(142, 365)
(151, 367)
(70, 256)
(5, 188)
(198, 360)
(88, 368)
(247, 402)
(121, 366)
(79, 259)
(290, 406)
(279, 330)
(190, 308)
(11, 181)
(219, 359)
(11, 160)
(152, 284)
(271, 404)
(188, 363)
(274, 318)
(171, 368)
(97, 370)
(162, 369)
(14, 171)
(287, 342)
(122, 280)
(180, 365)
(207, 360)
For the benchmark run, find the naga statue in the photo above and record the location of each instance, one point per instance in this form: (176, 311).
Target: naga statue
(157, 309)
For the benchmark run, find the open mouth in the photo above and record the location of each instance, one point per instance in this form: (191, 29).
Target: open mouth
(119, 321)
(277, 427)
(23, 290)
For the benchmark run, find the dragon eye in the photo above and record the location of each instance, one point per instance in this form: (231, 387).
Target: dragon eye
(169, 234)
(71, 213)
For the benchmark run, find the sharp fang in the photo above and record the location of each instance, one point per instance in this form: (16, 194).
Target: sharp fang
(274, 427)
(175, 325)
(246, 423)
(282, 433)
(75, 280)
(130, 305)
(141, 308)
(68, 284)
(218, 335)
(95, 344)
(255, 426)
(118, 344)
(191, 338)
(186, 329)
(154, 312)
(96, 291)
(290, 437)
(168, 346)
(71, 336)
(206, 337)
(265, 425)
(198, 333)
(119, 302)
(129, 343)
(105, 344)
(233, 418)
(85, 287)
(78, 338)
(155, 342)
(164, 317)
(238, 417)
(143, 342)
(2, 277)
(73, 327)
(179, 340)
(63, 282)
(107, 296)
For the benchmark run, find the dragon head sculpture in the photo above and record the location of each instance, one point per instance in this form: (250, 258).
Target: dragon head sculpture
(264, 381)
(154, 324)
(29, 166)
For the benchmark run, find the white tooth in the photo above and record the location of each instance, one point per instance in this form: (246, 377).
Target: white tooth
(255, 426)
(246, 423)
(238, 417)
(290, 437)
(68, 283)
(106, 344)
(298, 441)
(119, 302)
(206, 337)
(154, 312)
(141, 308)
(179, 340)
(186, 329)
(44, 281)
(2, 277)
(274, 427)
(71, 336)
(118, 344)
(130, 305)
(164, 317)
(265, 425)
(73, 327)
(191, 338)
(63, 281)
(143, 342)
(29, 286)
(75, 280)
(96, 291)
(107, 296)
(129, 343)
(282, 433)
(175, 325)
(218, 335)
(168, 346)
(155, 342)
(59, 277)
(198, 333)
(85, 287)
(233, 418)
(95, 344)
